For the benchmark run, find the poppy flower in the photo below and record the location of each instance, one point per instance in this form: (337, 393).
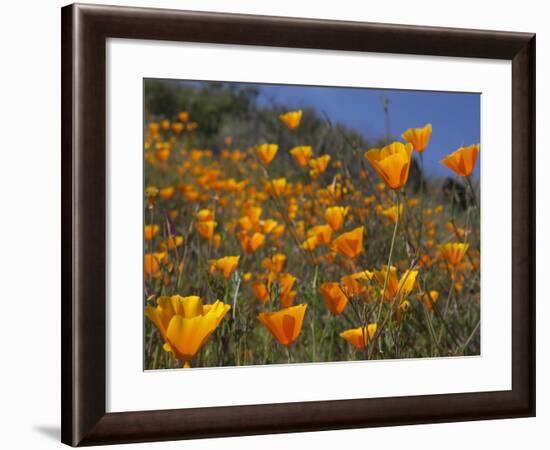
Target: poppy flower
(429, 298)
(268, 225)
(359, 337)
(171, 243)
(322, 233)
(151, 191)
(391, 213)
(151, 231)
(162, 152)
(278, 186)
(310, 243)
(250, 243)
(350, 244)
(286, 282)
(185, 323)
(334, 297)
(275, 263)
(318, 165)
(418, 137)
(462, 161)
(302, 154)
(266, 152)
(285, 325)
(227, 264)
(260, 290)
(453, 252)
(177, 127)
(354, 284)
(205, 215)
(291, 119)
(335, 215)
(167, 192)
(206, 228)
(152, 262)
(392, 163)
(403, 286)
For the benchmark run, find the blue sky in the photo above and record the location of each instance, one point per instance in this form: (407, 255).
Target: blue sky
(455, 117)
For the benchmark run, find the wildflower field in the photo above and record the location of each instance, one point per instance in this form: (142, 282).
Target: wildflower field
(276, 235)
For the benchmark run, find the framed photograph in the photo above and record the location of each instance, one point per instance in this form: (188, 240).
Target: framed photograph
(276, 225)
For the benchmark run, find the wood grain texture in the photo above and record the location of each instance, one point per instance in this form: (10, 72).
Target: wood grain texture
(85, 30)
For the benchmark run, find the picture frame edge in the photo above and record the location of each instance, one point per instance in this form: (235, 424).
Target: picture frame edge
(84, 420)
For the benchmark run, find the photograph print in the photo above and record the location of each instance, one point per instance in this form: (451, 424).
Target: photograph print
(288, 224)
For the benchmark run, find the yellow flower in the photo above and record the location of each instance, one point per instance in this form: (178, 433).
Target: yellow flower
(334, 216)
(392, 163)
(285, 325)
(245, 223)
(403, 287)
(254, 213)
(167, 192)
(151, 231)
(177, 127)
(151, 191)
(401, 308)
(183, 116)
(335, 299)
(162, 152)
(275, 263)
(152, 263)
(354, 284)
(350, 244)
(227, 264)
(204, 215)
(268, 225)
(171, 243)
(429, 299)
(322, 233)
(418, 137)
(291, 119)
(266, 152)
(206, 228)
(318, 165)
(453, 252)
(278, 186)
(302, 154)
(260, 290)
(310, 243)
(216, 240)
(359, 337)
(462, 161)
(185, 323)
(286, 281)
(250, 243)
(391, 213)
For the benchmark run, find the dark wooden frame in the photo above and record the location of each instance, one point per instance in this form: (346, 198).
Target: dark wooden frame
(85, 29)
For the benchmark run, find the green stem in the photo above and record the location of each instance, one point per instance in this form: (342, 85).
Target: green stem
(383, 296)
(389, 259)
(421, 225)
(473, 192)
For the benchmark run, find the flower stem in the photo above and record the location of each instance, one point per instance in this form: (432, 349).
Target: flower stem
(421, 224)
(473, 192)
(396, 226)
(386, 278)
